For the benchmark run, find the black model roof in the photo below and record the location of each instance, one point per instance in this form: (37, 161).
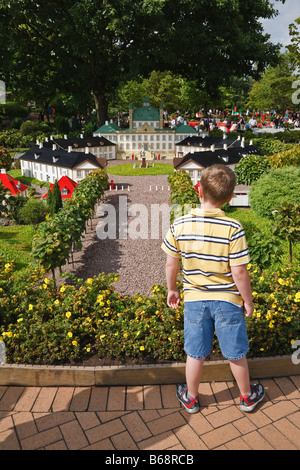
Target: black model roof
(59, 157)
(79, 142)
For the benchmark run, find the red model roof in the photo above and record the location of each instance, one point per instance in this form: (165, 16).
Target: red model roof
(64, 183)
(12, 184)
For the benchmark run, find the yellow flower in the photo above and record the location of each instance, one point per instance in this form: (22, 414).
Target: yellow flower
(116, 279)
(30, 307)
(45, 286)
(46, 280)
(297, 297)
(74, 343)
(68, 314)
(7, 265)
(19, 320)
(254, 294)
(281, 281)
(102, 336)
(142, 348)
(288, 319)
(125, 335)
(262, 349)
(56, 302)
(62, 289)
(70, 334)
(271, 324)
(258, 314)
(261, 278)
(89, 280)
(88, 349)
(108, 302)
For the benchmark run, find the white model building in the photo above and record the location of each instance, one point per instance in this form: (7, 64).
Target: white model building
(146, 137)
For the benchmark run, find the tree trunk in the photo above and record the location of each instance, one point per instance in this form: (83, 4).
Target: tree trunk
(101, 107)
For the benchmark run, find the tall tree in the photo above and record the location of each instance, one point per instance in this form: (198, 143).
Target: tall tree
(274, 90)
(90, 46)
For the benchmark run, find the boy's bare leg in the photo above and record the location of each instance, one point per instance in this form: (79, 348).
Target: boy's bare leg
(193, 372)
(240, 372)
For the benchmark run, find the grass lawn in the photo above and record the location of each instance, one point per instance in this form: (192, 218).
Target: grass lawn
(15, 244)
(17, 174)
(126, 169)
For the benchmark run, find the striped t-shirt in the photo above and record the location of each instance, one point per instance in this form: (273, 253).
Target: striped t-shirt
(209, 243)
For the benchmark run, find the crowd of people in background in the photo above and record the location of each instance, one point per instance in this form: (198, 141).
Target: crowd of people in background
(235, 120)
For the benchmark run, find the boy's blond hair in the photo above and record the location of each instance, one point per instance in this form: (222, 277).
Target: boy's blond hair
(218, 183)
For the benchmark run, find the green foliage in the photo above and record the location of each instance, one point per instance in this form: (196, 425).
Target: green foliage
(54, 237)
(286, 158)
(5, 159)
(264, 250)
(62, 125)
(287, 224)
(127, 169)
(116, 40)
(273, 188)
(55, 203)
(33, 212)
(183, 195)
(250, 168)
(12, 110)
(29, 128)
(43, 324)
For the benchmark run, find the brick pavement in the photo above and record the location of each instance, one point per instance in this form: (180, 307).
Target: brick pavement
(148, 418)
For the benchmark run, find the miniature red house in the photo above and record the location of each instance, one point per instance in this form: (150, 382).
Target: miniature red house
(66, 186)
(15, 186)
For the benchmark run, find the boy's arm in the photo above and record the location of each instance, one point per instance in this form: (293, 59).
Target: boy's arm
(172, 265)
(242, 281)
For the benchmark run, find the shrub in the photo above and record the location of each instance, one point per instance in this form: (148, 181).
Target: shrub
(5, 159)
(62, 125)
(29, 128)
(33, 212)
(43, 324)
(250, 168)
(270, 190)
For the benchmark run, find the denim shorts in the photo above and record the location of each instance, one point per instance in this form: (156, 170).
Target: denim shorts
(204, 318)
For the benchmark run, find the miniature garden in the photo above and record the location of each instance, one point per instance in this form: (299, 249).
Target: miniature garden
(46, 323)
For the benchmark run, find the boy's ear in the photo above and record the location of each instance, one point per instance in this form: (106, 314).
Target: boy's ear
(200, 192)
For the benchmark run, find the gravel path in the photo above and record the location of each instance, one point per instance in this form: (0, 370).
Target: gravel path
(139, 262)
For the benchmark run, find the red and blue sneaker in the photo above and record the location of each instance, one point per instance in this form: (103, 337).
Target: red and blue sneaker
(249, 402)
(190, 404)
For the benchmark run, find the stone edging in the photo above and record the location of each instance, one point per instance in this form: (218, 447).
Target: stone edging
(47, 376)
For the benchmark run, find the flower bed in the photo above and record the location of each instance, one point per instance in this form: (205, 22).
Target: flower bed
(43, 324)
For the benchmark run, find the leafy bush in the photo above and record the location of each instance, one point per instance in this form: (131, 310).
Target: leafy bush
(183, 194)
(250, 168)
(5, 159)
(33, 212)
(286, 158)
(42, 324)
(29, 128)
(12, 110)
(270, 190)
(54, 237)
(62, 125)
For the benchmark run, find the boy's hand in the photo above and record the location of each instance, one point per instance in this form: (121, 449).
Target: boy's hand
(173, 298)
(249, 309)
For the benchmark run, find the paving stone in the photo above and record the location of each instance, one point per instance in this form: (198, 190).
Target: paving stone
(148, 417)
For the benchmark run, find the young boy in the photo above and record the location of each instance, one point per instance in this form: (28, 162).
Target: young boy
(217, 290)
